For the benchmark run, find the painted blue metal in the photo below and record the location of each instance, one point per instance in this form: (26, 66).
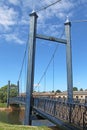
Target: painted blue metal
(69, 61)
(8, 93)
(49, 106)
(30, 71)
(17, 100)
(50, 38)
(57, 111)
(18, 88)
(56, 121)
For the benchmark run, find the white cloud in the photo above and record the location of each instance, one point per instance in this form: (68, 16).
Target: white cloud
(32, 4)
(15, 2)
(36, 85)
(10, 15)
(14, 37)
(7, 16)
(55, 17)
(24, 20)
(51, 29)
(8, 20)
(59, 10)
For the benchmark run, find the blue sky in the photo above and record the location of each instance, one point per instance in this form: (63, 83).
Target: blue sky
(14, 32)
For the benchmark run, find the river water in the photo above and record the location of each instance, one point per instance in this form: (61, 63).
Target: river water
(17, 117)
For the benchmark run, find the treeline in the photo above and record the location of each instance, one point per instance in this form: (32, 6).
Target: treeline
(3, 92)
(74, 89)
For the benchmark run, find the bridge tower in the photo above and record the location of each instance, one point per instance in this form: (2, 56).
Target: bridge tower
(31, 60)
(8, 93)
(30, 70)
(18, 88)
(69, 61)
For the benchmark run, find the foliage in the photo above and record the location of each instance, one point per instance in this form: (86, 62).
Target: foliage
(2, 105)
(75, 89)
(3, 92)
(81, 89)
(58, 91)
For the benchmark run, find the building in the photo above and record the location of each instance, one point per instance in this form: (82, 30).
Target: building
(77, 95)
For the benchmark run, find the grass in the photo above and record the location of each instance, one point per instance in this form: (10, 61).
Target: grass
(4, 126)
(3, 105)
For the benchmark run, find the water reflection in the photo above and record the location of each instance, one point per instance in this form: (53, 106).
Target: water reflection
(10, 117)
(17, 117)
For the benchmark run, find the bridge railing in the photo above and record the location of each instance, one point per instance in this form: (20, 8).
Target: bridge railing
(74, 113)
(17, 100)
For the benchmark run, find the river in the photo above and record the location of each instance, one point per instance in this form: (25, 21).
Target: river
(17, 117)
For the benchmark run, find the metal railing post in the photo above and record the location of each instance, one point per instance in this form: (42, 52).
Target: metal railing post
(54, 108)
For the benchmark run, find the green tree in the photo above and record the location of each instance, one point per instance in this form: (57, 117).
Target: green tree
(13, 90)
(58, 91)
(3, 92)
(75, 89)
(81, 89)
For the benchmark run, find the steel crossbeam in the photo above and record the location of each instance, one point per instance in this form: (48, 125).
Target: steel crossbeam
(54, 39)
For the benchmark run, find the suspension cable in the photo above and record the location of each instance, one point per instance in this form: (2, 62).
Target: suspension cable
(48, 6)
(45, 82)
(44, 73)
(78, 21)
(23, 60)
(53, 73)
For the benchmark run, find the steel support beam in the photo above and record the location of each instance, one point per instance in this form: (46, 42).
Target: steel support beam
(69, 61)
(51, 38)
(8, 93)
(18, 88)
(55, 120)
(30, 71)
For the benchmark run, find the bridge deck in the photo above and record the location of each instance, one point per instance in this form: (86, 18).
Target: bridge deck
(55, 120)
(59, 112)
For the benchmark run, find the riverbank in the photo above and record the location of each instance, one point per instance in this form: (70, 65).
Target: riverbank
(8, 113)
(10, 109)
(4, 126)
(3, 105)
(5, 109)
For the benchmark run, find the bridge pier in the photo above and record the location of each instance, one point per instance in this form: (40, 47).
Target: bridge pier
(30, 70)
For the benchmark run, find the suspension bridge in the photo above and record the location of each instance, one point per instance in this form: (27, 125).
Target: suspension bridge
(67, 113)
